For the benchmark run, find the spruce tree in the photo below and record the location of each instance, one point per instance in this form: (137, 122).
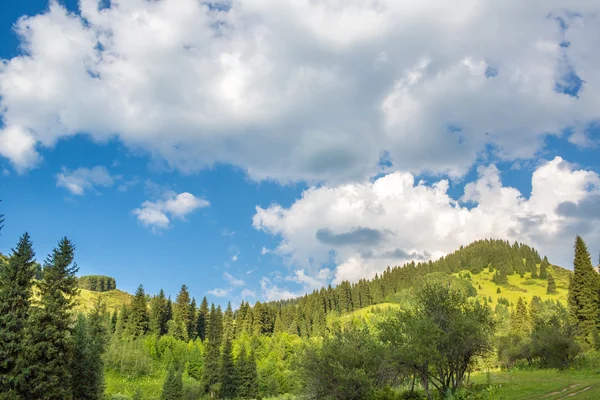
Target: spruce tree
(181, 314)
(544, 268)
(173, 385)
(158, 317)
(228, 329)
(583, 291)
(202, 319)
(16, 288)
(137, 324)
(87, 367)
(519, 320)
(210, 376)
(192, 324)
(46, 373)
(227, 375)
(551, 285)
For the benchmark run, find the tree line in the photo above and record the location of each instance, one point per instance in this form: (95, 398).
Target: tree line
(97, 283)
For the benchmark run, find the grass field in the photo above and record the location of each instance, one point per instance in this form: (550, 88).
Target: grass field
(113, 299)
(521, 287)
(544, 384)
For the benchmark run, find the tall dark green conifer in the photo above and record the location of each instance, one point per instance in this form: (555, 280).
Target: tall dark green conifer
(544, 268)
(551, 285)
(173, 385)
(210, 376)
(583, 291)
(227, 375)
(87, 368)
(181, 314)
(158, 314)
(202, 319)
(45, 368)
(16, 288)
(137, 324)
(192, 325)
(228, 328)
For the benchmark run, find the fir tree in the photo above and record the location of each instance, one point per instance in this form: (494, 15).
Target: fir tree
(16, 288)
(246, 375)
(551, 285)
(228, 328)
(181, 314)
(227, 375)
(583, 291)
(173, 385)
(202, 319)
(137, 324)
(544, 268)
(210, 376)
(45, 368)
(158, 314)
(192, 325)
(87, 367)
(519, 320)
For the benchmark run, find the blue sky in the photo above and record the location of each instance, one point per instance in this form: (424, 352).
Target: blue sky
(261, 154)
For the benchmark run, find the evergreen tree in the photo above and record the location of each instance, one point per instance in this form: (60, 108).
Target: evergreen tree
(16, 288)
(192, 325)
(137, 324)
(173, 385)
(228, 328)
(202, 319)
(551, 285)
(247, 375)
(158, 314)
(181, 314)
(544, 268)
(583, 291)
(227, 374)
(45, 368)
(519, 320)
(210, 376)
(87, 367)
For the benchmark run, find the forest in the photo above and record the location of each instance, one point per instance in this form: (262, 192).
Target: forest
(444, 329)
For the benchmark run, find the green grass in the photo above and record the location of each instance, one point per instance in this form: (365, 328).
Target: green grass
(521, 287)
(543, 384)
(113, 299)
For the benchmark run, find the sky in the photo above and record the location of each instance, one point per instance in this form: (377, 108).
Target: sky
(260, 149)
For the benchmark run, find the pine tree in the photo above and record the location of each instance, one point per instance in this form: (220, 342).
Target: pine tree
(551, 285)
(202, 319)
(583, 291)
(137, 324)
(247, 377)
(228, 328)
(173, 385)
(158, 314)
(181, 314)
(87, 368)
(45, 367)
(192, 324)
(16, 288)
(227, 375)
(210, 376)
(240, 368)
(519, 320)
(544, 268)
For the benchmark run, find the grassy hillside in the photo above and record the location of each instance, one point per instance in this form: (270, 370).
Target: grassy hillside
(113, 299)
(521, 287)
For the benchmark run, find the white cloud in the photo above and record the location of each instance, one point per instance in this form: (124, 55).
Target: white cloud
(234, 258)
(324, 88)
(264, 251)
(247, 293)
(218, 292)
(232, 280)
(369, 226)
(158, 214)
(84, 179)
(227, 232)
(272, 292)
(311, 283)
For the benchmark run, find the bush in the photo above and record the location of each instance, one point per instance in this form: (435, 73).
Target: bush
(128, 357)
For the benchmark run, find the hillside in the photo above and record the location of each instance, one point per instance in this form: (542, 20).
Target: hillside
(113, 299)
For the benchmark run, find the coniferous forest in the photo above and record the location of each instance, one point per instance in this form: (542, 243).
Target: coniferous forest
(429, 330)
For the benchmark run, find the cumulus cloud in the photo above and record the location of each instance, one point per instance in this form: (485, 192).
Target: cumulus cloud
(425, 222)
(325, 88)
(232, 280)
(247, 293)
(84, 179)
(158, 214)
(218, 292)
(272, 292)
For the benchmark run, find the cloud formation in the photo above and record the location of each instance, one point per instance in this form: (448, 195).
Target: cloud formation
(232, 280)
(218, 292)
(158, 214)
(326, 88)
(425, 222)
(84, 179)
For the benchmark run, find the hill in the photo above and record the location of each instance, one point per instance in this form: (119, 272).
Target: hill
(113, 299)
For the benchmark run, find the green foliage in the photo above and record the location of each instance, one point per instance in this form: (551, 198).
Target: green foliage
(16, 288)
(346, 366)
(137, 322)
(181, 315)
(583, 292)
(439, 340)
(45, 368)
(97, 283)
(227, 373)
(551, 285)
(158, 317)
(173, 386)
